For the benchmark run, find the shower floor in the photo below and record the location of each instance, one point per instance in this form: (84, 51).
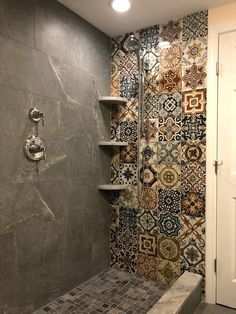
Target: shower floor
(111, 291)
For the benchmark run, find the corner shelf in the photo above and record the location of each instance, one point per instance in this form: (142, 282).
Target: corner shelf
(110, 143)
(111, 100)
(112, 187)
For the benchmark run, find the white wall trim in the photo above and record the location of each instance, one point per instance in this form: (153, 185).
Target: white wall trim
(211, 155)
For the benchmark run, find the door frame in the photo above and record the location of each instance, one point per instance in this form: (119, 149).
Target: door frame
(211, 150)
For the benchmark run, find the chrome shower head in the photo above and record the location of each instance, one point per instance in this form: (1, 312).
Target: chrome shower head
(133, 44)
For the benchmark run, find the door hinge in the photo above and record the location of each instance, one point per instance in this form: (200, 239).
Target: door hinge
(217, 68)
(215, 265)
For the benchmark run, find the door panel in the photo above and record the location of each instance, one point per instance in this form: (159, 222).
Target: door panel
(226, 176)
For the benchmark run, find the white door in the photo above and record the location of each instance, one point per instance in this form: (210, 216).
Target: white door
(226, 177)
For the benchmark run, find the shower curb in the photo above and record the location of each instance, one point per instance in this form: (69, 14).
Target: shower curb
(183, 297)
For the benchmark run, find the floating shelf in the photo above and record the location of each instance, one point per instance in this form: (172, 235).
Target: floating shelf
(112, 187)
(109, 143)
(113, 100)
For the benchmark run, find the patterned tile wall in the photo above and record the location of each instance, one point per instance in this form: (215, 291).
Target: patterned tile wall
(162, 235)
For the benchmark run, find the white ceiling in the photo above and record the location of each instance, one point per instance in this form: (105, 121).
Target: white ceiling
(143, 13)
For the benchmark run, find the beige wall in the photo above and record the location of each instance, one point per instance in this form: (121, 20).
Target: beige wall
(222, 14)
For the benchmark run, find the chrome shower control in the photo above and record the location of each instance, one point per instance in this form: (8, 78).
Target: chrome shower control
(35, 115)
(35, 148)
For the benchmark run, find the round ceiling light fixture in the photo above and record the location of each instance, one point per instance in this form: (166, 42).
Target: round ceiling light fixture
(120, 5)
(164, 44)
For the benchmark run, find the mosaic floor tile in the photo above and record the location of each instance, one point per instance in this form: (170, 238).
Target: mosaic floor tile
(169, 201)
(148, 175)
(129, 197)
(168, 272)
(148, 152)
(194, 151)
(195, 25)
(195, 51)
(194, 77)
(128, 218)
(193, 204)
(193, 178)
(147, 266)
(168, 249)
(150, 37)
(171, 81)
(147, 221)
(129, 154)
(150, 130)
(147, 244)
(172, 31)
(128, 240)
(194, 102)
(169, 152)
(148, 199)
(170, 105)
(171, 58)
(128, 131)
(129, 86)
(194, 127)
(169, 224)
(169, 177)
(128, 174)
(151, 106)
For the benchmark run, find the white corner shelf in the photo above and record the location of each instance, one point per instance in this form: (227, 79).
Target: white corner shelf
(110, 143)
(112, 187)
(111, 100)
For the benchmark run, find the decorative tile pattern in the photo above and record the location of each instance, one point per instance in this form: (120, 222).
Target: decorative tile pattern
(171, 31)
(194, 101)
(147, 222)
(171, 58)
(151, 106)
(149, 199)
(128, 131)
(168, 272)
(160, 229)
(169, 153)
(194, 127)
(171, 81)
(194, 151)
(169, 177)
(129, 154)
(147, 244)
(128, 174)
(170, 105)
(170, 129)
(194, 77)
(169, 201)
(195, 51)
(168, 249)
(195, 25)
(147, 266)
(169, 224)
(148, 175)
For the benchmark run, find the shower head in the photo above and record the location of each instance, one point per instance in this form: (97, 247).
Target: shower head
(133, 44)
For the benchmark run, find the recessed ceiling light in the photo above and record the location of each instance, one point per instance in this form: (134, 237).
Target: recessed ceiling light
(164, 44)
(120, 5)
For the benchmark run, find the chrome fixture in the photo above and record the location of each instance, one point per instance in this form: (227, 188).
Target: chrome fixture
(35, 148)
(35, 115)
(133, 44)
(120, 5)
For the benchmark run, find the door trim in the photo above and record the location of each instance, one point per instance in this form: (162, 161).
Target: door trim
(211, 149)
